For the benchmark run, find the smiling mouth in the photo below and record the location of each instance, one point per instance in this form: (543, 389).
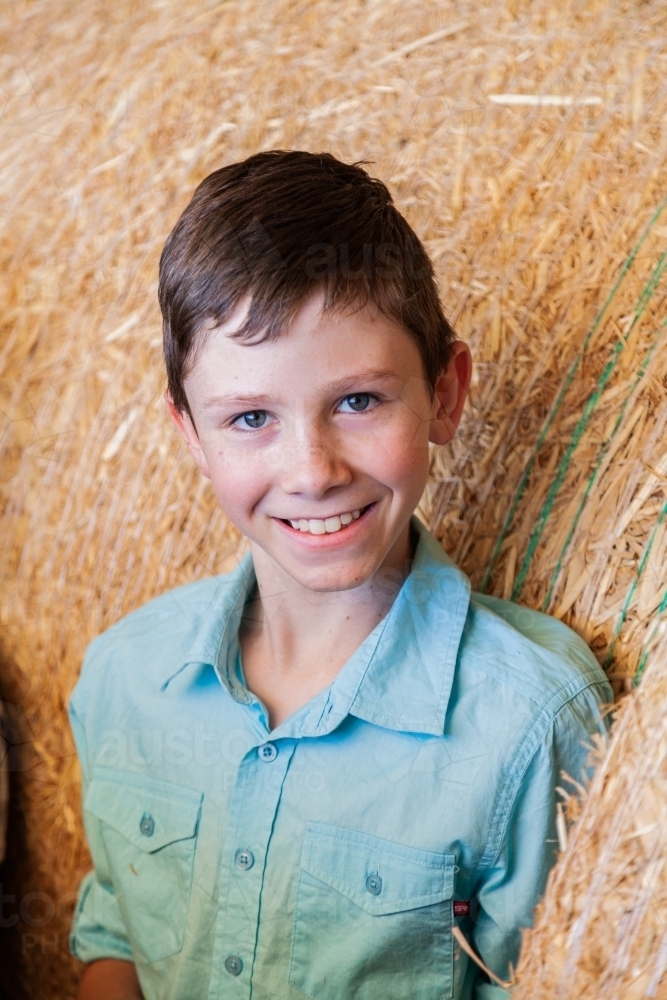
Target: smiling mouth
(328, 525)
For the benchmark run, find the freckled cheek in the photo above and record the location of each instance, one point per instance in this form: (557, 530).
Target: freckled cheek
(399, 460)
(239, 483)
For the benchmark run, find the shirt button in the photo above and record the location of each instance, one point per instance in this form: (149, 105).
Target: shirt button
(234, 965)
(245, 859)
(267, 752)
(147, 825)
(374, 885)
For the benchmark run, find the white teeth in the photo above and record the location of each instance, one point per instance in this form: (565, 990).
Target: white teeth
(315, 526)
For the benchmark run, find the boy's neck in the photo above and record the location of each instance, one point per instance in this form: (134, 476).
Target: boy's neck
(294, 641)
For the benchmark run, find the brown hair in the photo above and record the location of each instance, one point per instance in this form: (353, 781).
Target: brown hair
(276, 227)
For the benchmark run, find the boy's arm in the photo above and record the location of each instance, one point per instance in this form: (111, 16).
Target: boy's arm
(98, 937)
(109, 979)
(515, 881)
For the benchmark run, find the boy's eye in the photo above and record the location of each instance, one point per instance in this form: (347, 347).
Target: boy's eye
(252, 420)
(357, 403)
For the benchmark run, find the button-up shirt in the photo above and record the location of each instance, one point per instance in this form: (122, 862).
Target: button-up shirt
(331, 856)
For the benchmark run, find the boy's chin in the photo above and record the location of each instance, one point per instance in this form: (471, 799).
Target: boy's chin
(340, 576)
(331, 582)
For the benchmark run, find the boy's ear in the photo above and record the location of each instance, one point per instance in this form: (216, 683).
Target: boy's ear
(187, 430)
(451, 390)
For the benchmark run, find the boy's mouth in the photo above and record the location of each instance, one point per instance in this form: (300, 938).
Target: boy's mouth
(326, 526)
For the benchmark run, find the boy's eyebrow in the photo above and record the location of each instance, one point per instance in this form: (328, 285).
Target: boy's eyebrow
(259, 401)
(253, 402)
(369, 375)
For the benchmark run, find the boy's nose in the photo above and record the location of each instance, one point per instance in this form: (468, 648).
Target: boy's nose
(313, 464)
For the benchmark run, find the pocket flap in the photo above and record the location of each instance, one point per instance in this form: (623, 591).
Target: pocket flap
(350, 863)
(148, 812)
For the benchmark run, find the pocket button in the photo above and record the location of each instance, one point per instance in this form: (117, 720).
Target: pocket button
(245, 859)
(147, 825)
(234, 965)
(374, 885)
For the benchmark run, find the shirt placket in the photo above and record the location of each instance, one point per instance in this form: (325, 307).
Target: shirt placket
(259, 783)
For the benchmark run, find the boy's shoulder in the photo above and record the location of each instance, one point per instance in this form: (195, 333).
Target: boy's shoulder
(531, 653)
(153, 641)
(174, 615)
(507, 654)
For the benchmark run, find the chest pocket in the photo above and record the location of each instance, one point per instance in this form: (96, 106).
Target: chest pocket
(373, 919)
(149, 831)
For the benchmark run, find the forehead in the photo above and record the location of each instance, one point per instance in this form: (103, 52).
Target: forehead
(315, 349)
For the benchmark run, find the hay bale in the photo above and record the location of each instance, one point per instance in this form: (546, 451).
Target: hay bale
(526, 144)
(600, 931)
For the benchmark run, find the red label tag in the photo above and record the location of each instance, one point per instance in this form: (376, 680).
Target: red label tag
(461, 908)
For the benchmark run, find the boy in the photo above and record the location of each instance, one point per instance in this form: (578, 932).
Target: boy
(301, 776)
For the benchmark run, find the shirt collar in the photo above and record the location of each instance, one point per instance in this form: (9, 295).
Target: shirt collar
(408, 662)
(216, 641)
(400, 677)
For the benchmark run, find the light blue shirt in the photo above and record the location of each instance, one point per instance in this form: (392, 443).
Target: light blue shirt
(324, 858)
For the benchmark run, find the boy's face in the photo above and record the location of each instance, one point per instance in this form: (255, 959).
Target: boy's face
(316, 443)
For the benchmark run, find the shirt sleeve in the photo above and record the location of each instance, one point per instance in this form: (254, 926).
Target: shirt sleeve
(515, 882)
(98, 930)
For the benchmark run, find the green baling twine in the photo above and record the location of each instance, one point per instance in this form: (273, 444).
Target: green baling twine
(559, 399)
(603, 451)
(579, 431)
